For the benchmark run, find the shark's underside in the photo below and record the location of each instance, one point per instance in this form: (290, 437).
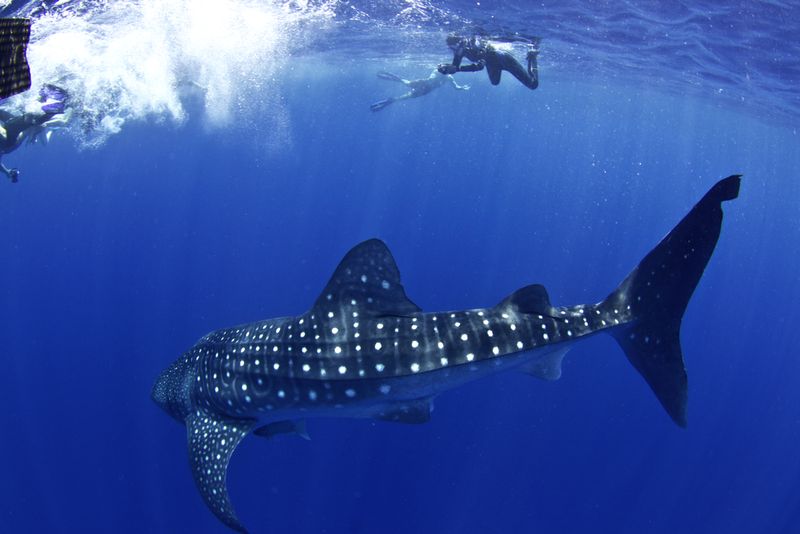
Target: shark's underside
(365, 350)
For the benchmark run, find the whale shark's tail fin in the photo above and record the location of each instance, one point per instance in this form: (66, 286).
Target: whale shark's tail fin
(656, 293)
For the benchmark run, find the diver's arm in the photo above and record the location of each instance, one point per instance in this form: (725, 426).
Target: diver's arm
(12, 174)
(473, 67)
(455, 84)
(453, 67)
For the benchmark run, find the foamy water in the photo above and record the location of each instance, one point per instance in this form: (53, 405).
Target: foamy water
(143, 60)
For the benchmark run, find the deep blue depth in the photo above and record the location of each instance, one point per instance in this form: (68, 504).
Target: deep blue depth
(116, 260)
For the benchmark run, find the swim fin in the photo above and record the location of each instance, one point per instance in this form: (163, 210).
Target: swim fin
(379, 105)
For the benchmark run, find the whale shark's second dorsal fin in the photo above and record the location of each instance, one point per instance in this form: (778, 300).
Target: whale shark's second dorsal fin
(529, 299)
(212, 440)
(368, 280)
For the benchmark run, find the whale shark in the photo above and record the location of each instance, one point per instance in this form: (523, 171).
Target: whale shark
(365, 350)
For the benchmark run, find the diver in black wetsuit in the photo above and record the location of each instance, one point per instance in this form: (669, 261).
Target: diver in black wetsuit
(483, 54)
(32, 126)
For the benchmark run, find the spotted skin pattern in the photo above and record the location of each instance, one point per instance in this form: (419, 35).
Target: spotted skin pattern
(365, 350)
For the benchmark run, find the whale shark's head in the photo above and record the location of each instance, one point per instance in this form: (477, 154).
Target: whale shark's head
(171, 390)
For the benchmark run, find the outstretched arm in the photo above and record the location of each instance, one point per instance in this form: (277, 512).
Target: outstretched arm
(455, 84)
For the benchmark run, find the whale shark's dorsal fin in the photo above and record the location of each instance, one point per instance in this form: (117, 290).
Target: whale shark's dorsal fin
(367, 279)
(212, 440)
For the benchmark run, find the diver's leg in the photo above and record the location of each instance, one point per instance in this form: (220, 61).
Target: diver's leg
(494, 71)
(529, 78)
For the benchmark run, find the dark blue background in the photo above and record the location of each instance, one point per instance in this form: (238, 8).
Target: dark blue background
(116, 260)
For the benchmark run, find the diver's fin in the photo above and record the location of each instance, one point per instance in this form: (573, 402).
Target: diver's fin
(383, 75)
(657, 292)
(212, 440)
(380, 104)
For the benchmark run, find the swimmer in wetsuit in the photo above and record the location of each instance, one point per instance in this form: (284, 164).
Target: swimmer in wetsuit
(417, 88)
(483, 54)
(32, 126)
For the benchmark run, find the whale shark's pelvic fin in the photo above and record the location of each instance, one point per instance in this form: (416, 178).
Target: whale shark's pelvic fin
(548, 367)
(297, 427)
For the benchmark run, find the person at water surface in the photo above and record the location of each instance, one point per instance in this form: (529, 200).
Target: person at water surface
(48, 114)
(485, 54)
(417, 88)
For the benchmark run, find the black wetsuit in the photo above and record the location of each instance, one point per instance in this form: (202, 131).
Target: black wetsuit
(483, 54)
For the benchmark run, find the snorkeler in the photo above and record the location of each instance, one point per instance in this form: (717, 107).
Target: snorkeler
(483, 53)
(16, 128)
(417, 88)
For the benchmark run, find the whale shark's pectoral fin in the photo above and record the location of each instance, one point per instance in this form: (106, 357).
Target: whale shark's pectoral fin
(414, 412)
(212, 440)
(284, 427)
(547, 367)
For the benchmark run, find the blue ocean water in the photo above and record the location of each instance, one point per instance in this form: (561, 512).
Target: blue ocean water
(222, 157)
